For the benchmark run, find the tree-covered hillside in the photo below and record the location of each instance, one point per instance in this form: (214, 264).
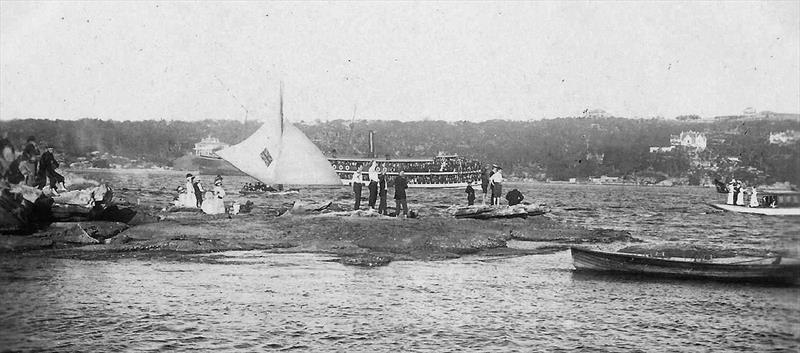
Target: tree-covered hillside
(555, 149)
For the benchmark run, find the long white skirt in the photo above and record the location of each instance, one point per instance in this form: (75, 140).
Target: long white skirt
(186, 200)
(213, 205)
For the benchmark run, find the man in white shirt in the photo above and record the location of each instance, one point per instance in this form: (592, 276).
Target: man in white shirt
(496, 183)
(372, 172)
(357, 181)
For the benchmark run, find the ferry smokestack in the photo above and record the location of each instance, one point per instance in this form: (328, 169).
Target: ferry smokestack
(371, 144)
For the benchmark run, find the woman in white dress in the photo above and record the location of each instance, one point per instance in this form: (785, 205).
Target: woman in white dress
(213, 203)
(754, 197)
(730, 191)
(186, 196)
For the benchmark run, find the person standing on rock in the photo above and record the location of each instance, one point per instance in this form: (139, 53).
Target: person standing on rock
(400, 186)
(372, 172)
(7, 156)
(27, 167)
(197, 186)
(382, 191)
(31, 153)
(470, 194)
(496, 184)
(47, 170)
(357, 182)
(487, 173)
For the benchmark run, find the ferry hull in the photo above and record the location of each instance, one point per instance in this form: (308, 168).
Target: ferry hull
(767, 211)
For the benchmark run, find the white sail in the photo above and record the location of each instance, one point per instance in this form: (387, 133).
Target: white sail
(274, 158)
(254, 155)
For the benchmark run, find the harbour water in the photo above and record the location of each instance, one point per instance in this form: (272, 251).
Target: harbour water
(256, 301)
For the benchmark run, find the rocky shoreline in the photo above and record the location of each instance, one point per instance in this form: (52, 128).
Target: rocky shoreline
(359, 238)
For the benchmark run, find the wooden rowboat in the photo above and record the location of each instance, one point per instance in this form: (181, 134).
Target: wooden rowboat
(774, 270)
(771, 203)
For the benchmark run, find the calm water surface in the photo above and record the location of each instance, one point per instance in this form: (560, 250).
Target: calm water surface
(253, 301)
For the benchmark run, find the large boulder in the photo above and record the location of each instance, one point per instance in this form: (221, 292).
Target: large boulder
(67, 233)
(102, 230)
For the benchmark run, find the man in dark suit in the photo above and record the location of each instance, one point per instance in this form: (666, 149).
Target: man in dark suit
(400, 186)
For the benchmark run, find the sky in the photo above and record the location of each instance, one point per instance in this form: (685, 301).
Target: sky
(405, 61)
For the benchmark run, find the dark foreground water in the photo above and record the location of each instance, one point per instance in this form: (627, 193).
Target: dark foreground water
(254, 301)
(251, 301)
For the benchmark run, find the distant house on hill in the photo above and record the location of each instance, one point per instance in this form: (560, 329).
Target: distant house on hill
(783, 138)
(659, 149)
(689, 139)
(595, 113)
(208, 146)
(605, 180)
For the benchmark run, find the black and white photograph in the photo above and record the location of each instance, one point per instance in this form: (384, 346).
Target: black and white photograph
(399, 176)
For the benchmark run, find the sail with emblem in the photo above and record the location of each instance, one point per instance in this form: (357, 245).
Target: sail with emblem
(279, 153)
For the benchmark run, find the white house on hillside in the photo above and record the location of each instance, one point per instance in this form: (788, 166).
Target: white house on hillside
(782, 138)
(691, 139)
(207, 146)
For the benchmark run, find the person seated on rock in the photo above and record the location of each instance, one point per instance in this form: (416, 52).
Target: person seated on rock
(213, 203)
(514, 197)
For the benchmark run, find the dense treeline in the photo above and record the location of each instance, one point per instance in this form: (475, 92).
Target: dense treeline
(557, 148)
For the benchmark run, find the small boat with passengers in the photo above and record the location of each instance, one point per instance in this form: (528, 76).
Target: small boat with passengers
(770, 203)
(760, 269)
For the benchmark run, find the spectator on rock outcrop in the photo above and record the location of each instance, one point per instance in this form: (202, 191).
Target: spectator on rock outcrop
(400, 186)
(496, 184)
(382, 191)
(514, 197)
(47, 170)
(357, 181)
(487, 173)
(372, 172)
(470, 194)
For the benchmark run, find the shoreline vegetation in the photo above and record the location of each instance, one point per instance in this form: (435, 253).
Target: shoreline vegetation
(640, 151)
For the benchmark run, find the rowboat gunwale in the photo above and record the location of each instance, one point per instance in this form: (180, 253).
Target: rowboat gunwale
(595, 260)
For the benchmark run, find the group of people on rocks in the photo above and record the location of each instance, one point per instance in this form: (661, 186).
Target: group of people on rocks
(492, 185)
(378, 184)
(194, 195)
(30, 166)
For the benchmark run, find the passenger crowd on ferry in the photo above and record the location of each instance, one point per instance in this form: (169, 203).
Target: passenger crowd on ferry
(436, 165)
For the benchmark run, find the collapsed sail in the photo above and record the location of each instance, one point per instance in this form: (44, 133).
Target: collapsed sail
(277, 154)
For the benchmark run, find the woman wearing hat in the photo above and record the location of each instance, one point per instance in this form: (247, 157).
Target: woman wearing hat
(213, 203)
(186, 196)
